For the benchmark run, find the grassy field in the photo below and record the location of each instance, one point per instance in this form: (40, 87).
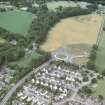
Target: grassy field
(100, 60)
(76, 30)
(24, 62)
(55, 4)
(2, 40)
(100, 89)
(79, 49)
(16, 21)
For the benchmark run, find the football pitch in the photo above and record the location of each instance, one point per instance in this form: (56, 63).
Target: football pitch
(16, 21)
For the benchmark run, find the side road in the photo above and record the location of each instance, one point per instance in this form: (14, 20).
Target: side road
(20, 82)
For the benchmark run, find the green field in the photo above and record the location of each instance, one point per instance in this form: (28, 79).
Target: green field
(100, 60)
(26, 61)
(16, 21)
(100, 89)
(55, 4)
(2, 40)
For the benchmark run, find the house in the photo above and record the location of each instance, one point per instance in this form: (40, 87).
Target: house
(33, 80)
(101, 9)
(24, 8)
(19, 94)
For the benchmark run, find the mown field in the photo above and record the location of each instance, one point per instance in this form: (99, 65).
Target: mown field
(16, 21)
(55, 4)
(100, 60)
(100, 89)
(75, 30)
(2, 40)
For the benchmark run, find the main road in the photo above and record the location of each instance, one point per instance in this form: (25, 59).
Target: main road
(20, 82)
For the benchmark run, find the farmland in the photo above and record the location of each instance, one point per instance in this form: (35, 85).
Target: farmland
(100, 60)
(79, 49)
(99, 89)
(76, 30)
(16, 21)
(2, 40)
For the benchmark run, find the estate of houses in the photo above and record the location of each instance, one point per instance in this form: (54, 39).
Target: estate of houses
(56, 84)
(6, 75)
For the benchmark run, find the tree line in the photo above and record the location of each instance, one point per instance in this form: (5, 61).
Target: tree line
(92, 58)
(10, 53)
(47, 19)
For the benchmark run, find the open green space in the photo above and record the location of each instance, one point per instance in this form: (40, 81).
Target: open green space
(55, 4)
(16, 21)
(100, 60)
(2, 40)
(100, 89)
(27, 60)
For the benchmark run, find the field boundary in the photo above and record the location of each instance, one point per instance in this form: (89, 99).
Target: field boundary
(99, 36)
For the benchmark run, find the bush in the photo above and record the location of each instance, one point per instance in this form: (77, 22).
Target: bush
(86, 90)
(91, 65)
(85, 79)
(103, 73)
(100, 97)
(94, 81)
(95, 47)
(103, 28)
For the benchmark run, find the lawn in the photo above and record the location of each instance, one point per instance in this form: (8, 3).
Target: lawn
(100, 60)
(2, 40)
(16, 21)
(100, 89)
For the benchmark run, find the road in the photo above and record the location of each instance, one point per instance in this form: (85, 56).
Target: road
(20, 82)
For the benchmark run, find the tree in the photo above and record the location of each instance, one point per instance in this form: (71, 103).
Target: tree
(103, 73)
(95, 47)
(85, 79)
(9, 52)
(90, 65)
(103, 28)
(100, 97)
(94, 80)
(86, 90)
(93, 55)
